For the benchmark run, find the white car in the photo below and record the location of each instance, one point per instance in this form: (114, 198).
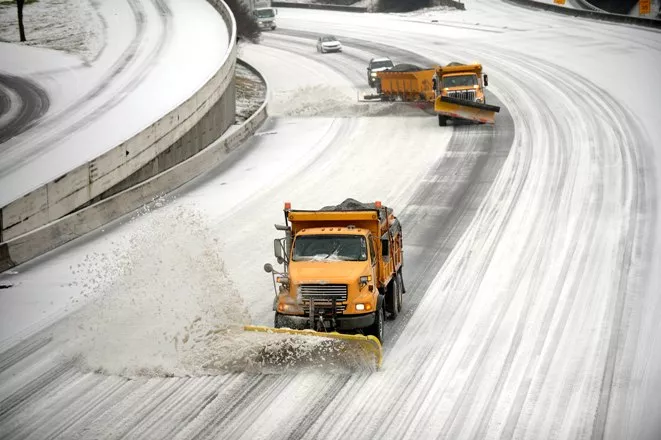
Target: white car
(328, 43)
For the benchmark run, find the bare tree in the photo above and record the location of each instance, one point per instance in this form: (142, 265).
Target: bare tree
(21, 29)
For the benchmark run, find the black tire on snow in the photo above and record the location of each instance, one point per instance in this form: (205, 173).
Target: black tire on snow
(442, 121)
(376, 329)
(400, 291)
(393, 298)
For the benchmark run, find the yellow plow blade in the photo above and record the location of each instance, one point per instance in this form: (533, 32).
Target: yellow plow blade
(454, 108)
(365, 345)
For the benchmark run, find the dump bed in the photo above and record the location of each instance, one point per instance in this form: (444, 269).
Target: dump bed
(408, 86)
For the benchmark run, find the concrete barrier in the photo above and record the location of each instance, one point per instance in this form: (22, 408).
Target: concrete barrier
(614, 18)
(37, 242)
(94, 180)
(277, 4)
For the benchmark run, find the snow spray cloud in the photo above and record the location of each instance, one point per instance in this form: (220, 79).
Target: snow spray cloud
(328, 101)
(153, 297)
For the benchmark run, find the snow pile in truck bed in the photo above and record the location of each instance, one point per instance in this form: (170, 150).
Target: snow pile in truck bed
(168, 308)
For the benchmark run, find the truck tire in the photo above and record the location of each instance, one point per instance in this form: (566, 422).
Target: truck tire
(442, 120)
(376, 329)
(393, 298)
(400, 290)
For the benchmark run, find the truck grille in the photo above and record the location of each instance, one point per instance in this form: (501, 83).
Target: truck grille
(323, 296)
(339, 309)
(466, 95)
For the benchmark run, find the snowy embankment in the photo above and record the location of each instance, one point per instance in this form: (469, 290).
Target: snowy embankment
(250, 93)
(72, 26)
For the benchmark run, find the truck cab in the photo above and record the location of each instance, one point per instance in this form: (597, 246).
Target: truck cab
(342, 270)
(463, 82)
(377, 65)
(265, 17)
(459, 94)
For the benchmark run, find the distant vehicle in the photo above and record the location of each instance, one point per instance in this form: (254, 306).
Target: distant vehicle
(377, 65)
(265, 15)
(328, 43)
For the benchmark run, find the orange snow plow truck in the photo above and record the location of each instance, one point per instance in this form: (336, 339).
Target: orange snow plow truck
(455, 91)
(342, 273)
(459, 91)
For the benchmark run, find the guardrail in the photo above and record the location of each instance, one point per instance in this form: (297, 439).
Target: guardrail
(48, 237)
(319, 6)
(96, 179)
(605, 16)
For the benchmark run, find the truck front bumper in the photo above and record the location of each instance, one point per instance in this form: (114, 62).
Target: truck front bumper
(343, 322)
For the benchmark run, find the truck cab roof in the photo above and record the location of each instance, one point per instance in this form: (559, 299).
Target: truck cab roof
(342, 230)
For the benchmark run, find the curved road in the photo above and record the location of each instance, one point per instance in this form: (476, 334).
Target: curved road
(531, 309)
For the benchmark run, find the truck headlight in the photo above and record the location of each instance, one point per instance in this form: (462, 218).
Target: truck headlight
(373, 74)
(480, 100)
(290, 308)
(360, 307)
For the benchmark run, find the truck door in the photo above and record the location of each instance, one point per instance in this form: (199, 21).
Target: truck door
(373, 259)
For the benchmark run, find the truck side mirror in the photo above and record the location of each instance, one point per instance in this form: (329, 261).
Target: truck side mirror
(486, 80)
(385, 247)
(277, 250)
(268, 268)
(275, 11)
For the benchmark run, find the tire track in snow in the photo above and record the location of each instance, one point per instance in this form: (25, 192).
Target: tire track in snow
(23, 103)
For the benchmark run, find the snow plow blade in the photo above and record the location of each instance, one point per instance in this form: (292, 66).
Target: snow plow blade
(462, 109)
(368, 348)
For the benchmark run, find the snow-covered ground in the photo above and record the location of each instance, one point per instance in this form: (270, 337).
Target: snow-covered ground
(542, 321)
(74, 26)
(154, 56)
(250, 93)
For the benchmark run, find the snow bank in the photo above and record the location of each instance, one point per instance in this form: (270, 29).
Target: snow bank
(159, 292)
(74, 26)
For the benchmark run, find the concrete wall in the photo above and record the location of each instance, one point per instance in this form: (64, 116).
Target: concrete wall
(48, 237)
(131, 159)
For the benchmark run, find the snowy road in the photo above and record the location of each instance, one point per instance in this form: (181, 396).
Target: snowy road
(147, 46)
(532, 309)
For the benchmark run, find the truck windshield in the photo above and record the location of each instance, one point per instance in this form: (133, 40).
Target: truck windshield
(460, 81)
(264, 13)
(330, 247)
(380, 64)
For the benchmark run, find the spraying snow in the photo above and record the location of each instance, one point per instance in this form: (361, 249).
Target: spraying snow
(324, 100)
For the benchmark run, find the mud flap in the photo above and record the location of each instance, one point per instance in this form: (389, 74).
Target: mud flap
(461, 109)
(368, 347)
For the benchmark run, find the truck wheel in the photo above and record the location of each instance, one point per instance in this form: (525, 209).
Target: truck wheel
(442, 121)
(376, 329)
(393, 298)
(276, 321)
(400, 291)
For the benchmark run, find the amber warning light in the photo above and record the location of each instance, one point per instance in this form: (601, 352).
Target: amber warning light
(287, 205)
